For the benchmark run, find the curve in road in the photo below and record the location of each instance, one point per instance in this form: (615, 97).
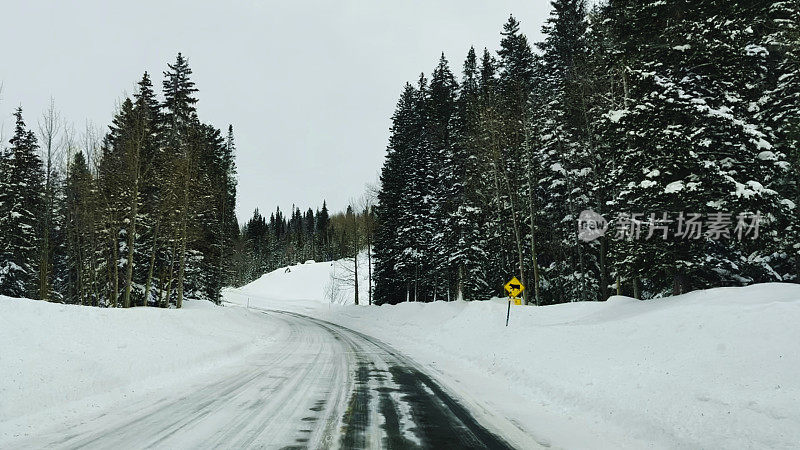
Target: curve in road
(318, 385)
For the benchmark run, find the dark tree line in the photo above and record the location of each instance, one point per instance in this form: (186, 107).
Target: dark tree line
(267, 244)
(685, 106)
(278, 241)
(143, 216)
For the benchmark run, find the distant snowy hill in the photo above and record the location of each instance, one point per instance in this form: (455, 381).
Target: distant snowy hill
(306, 285)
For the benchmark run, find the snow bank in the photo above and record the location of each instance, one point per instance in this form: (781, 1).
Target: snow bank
(60, 361)
(709, 369)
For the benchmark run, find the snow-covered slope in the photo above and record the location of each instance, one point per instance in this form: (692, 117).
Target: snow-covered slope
(306, 286)
(710, 369)
(298, 282)
(62, 361)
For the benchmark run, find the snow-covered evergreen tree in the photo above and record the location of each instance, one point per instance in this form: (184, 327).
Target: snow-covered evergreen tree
(445, 185)
(565, 153)
(393, 273)
(470, 192)
(506, 141)
(778, 108)
(21, 200)
(691, 142)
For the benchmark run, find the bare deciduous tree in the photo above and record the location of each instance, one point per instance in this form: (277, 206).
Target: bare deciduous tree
(50, 130)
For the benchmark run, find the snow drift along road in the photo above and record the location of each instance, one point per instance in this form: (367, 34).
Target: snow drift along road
(60, 362)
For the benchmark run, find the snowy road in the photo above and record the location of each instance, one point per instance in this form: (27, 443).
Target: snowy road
(315, 385)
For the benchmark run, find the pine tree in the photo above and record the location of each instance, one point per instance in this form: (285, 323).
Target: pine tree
(566, 153)
(392, 274)
(182, 139)
(210, 231)
(506, 137)
(147, 217)
(692, 142)
(444, 185)
(21, 203)
(179, 101)
(777, 30)
(323, 237)
(59, 244)
(49, 130)
(78, 228)
(501, 261)
(155, 174)
(256, 235)
(229, 228)
(469, 218)
(416, 229)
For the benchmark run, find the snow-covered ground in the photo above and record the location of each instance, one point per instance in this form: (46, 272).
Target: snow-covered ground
(709, 369)
(59, 362)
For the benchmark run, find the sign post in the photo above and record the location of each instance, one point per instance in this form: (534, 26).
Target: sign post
(514, 289)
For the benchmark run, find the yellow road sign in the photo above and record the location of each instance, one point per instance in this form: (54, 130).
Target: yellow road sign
(516, 300)
(514, 287)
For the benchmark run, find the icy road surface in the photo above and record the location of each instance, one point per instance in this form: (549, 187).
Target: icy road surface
(317, 385)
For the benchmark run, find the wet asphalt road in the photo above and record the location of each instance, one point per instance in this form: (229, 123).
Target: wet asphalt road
(318, 385)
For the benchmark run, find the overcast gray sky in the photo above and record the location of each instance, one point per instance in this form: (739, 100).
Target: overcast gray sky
(309, 86)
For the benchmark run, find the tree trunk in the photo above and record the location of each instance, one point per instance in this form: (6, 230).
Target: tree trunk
(533, 244)
(679, 284)
(603, 269)
(149, 281)
(577, 242)
(369, 269)
(44, 266)
(171, 277)
(93, 269)
(162, 289)
(355, 277)
(416, 281)
(49, 129)
(112, 271)
(355, 256)
(181, 265)
(134, 211)
(517, 236)
(183, 238)
(460, 288)
(582, 264)
(797, 267)
(500, 218)
(115, 272)
(220, 272)
(77, 254)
